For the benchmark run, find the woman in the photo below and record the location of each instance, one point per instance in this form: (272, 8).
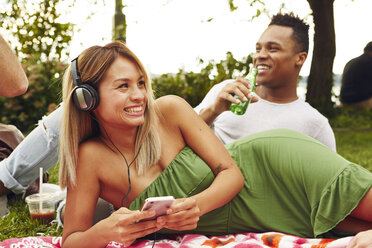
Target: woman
(138, 127)
(125, 147)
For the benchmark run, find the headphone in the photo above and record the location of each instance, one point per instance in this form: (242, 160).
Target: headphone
(85, 96)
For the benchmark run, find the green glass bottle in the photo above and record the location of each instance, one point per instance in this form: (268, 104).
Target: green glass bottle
(239, 109)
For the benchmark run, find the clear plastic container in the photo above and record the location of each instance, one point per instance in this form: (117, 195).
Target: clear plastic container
(41, 208)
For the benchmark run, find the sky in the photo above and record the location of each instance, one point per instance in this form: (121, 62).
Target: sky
(171, 34)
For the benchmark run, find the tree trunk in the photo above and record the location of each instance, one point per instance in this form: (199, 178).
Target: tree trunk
(119, 25)
(320, 81)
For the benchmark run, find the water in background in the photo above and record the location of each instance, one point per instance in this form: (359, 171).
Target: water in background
(301, 88)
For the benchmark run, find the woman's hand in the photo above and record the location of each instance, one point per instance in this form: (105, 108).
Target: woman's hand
(182, 215)
(124, 228)
(361, 240)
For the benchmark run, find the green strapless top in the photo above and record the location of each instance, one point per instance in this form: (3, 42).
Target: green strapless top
(287, 188)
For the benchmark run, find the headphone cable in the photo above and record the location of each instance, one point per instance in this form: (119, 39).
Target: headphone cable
(123, 200)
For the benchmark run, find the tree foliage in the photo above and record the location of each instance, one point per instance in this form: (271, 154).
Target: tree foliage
(193, 86)
(40, 40)
(36, 28)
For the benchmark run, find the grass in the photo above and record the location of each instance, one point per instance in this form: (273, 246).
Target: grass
(354, 145)
(18, 223)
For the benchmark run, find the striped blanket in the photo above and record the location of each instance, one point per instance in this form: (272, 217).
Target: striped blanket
(244, 240)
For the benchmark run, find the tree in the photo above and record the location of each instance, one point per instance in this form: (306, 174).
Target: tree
(119, 25)
(36, 28)
(41, 41)
(320, 81)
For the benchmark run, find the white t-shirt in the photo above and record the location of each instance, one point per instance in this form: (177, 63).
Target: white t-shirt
(264, 115)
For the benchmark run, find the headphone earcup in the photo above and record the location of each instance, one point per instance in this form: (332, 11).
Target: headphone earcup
(85, 97)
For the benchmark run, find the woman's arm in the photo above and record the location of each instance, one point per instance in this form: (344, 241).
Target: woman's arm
(229, 179)
(81, 200)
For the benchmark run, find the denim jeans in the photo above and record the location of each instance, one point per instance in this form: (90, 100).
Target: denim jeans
(38, 149)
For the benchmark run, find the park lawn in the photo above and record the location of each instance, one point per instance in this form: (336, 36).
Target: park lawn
(355, 146)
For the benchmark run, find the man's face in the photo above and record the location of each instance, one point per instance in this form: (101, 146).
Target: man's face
(276, 57)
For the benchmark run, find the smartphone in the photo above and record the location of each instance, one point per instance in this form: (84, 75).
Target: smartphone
(159, 204)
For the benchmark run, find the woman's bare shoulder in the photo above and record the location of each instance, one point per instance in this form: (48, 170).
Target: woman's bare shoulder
(171, 104)
(92, 151)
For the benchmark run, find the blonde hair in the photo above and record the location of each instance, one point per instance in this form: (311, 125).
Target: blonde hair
(78, 126)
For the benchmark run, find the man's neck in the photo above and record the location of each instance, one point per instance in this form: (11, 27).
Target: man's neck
(277, 95)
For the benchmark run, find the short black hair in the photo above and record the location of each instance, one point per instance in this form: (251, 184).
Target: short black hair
(300, 28)
(368, 47)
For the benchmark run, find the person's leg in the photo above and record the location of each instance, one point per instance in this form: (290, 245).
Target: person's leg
(360, 219)
(103, 210)
(353, 225)
(38, 149)
(3, 189)
(363, 210)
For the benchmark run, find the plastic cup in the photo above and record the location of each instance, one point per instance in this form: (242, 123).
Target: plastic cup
(41, 208)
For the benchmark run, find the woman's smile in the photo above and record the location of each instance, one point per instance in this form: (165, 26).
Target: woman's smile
(134, 110)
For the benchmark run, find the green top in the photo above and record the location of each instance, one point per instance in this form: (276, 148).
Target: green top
(293, 184)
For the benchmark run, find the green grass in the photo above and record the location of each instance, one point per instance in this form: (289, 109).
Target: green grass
(355, 146)
(18, 223)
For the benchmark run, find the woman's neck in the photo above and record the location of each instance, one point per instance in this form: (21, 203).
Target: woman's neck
(124, 139)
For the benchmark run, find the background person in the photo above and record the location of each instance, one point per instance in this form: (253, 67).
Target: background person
(13, 82)
(356, 82)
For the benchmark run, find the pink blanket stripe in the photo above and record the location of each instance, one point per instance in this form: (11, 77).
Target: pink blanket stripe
(244, 240)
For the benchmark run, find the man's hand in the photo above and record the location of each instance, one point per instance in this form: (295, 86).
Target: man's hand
(225, 97)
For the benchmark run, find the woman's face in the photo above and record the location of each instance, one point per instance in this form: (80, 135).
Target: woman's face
(122, 95)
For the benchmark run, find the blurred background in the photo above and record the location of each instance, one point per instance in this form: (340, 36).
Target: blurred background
(187, 45)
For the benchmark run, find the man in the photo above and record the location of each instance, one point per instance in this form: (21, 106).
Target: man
(356, 82)
(280, 53)
(13, 82)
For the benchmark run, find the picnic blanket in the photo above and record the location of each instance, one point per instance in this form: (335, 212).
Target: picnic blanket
(248, 240)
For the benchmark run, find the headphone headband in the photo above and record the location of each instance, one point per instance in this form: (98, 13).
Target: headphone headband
(75, 74)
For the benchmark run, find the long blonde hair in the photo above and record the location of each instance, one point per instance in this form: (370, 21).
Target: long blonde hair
(78, 126)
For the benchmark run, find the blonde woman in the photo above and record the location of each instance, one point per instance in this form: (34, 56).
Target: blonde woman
(127, 122)
(119, 144)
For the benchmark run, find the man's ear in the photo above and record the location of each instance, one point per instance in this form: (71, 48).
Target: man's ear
(301, 58)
